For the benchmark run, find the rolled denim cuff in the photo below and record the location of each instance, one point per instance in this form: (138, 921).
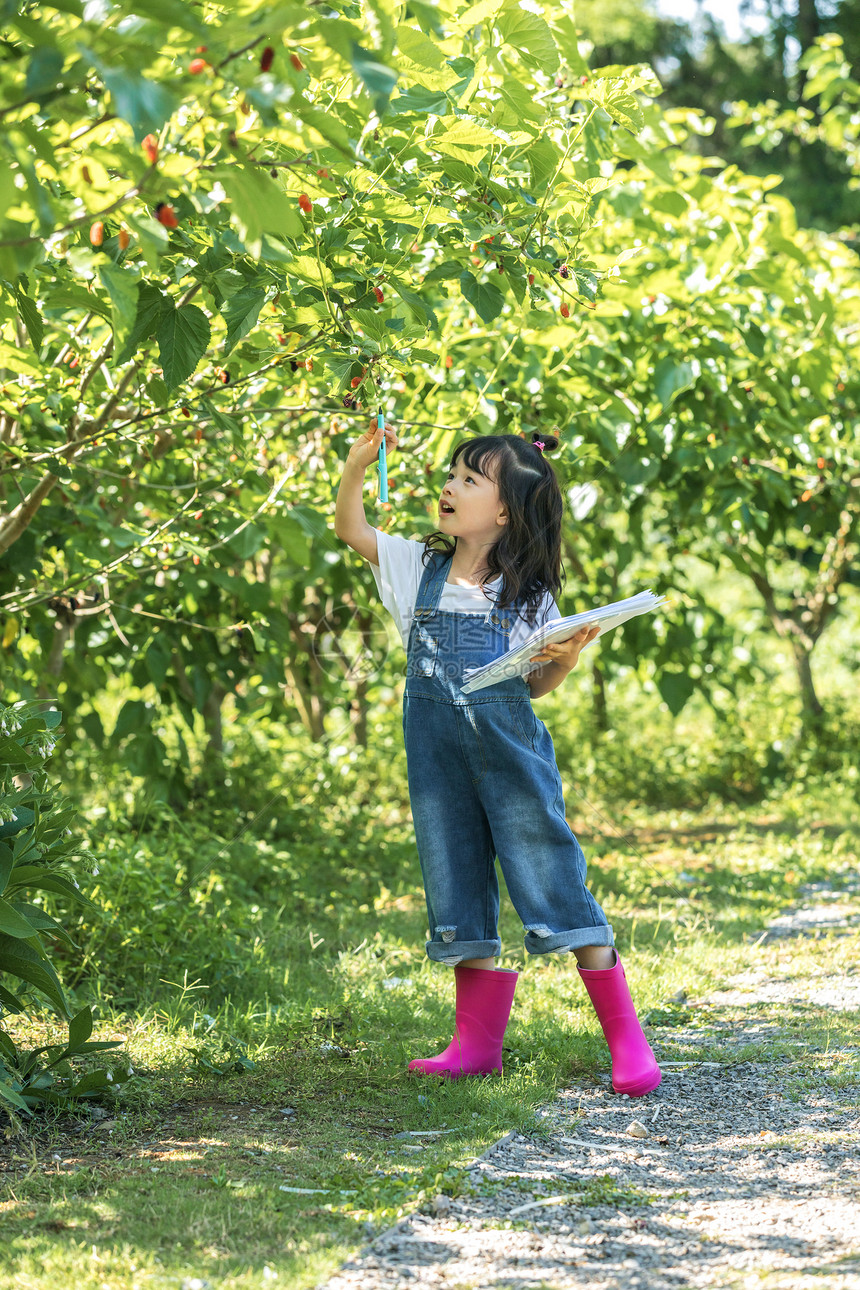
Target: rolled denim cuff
(453, 952)
(563, 942)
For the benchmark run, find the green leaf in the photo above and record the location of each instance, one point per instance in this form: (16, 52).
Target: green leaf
(6, 862)
(416, 99)
(150, 303)
(465, 140)
(132, 717)
(421, 61)
(247, 542)
(92, 1082)
(12, 754)
(144, 104)
(379, 79)
(171, 13)
(23, 817)
(10, 1001)
(755, 340)
(240, 313)
(617, 101)
(523, 106)
(675, 689)
(21, 961)
(635, 469)
(671, 377)
(42, 922)
(157, 661)
(529, 34)
(543, 159)
(44, 71)
(121, 285)
(11, 1097)
(71, 297)
(13, 923)
(38, 878)
(418, 307)
(259, 205)
(327, 125)
(341, 371)
(80, 1028)
(484, 297)
(31, 318)
(183, 335)
(153, 237)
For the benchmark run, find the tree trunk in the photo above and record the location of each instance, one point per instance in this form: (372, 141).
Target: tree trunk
(212, 720)
(808, 23)
(808, 29)
(306, 702)
(598, 699)
(812, 708)
(358, 712)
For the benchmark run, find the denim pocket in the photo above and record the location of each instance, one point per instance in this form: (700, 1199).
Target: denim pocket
(524, 722)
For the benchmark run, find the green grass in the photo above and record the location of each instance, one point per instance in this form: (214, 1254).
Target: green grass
(186, 1176)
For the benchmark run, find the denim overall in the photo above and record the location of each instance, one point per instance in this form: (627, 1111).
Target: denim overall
(483, 782)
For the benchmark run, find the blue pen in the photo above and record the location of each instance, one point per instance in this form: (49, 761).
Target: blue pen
(383, 461)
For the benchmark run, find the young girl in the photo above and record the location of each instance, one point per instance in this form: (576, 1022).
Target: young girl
(483, 781)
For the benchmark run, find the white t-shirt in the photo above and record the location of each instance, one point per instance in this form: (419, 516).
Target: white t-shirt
(398, 577)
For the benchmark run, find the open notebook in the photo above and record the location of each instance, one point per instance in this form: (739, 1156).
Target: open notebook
(517, 662)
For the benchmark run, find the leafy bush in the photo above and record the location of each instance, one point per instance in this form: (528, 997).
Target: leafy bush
(35, 845)
(293, 834)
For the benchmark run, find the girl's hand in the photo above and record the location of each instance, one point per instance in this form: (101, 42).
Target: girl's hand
(365, 451)
(566, 653)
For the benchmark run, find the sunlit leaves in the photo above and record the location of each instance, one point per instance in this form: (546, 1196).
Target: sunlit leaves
(378, 78)
(529, 35)
(31, 319)
(484, 297)
(671, 377)
(259, 205)
(121, 286)
(148, 306)
(143, 103)
(183, 335)
(241, 313)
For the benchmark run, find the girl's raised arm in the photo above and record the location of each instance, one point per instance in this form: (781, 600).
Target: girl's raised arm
(350, 521)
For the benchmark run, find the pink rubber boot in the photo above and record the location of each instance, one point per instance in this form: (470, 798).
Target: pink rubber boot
(484, 999)
(634, 1067)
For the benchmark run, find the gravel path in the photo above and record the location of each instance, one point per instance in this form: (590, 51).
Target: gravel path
(744, 1176)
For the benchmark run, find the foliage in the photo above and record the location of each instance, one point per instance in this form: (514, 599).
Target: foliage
(704, 69)
(827, 115)
(330, 234)
(372, 197)
(35, 847)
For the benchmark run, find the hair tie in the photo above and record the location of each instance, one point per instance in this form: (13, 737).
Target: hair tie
(540, 446)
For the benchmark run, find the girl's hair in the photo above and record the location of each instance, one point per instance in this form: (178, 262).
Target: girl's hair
(528, 551)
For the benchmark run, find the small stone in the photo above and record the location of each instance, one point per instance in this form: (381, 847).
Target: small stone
(636, 1129)
(441, 1204)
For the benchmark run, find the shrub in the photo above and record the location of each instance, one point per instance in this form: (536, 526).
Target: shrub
(36, 844)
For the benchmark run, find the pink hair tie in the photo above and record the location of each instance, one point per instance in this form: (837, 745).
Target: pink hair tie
(540, 446)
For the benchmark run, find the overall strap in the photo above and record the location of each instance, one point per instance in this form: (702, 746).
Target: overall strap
(432, 582)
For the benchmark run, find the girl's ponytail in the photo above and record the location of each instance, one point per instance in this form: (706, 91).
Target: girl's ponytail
(544, 442)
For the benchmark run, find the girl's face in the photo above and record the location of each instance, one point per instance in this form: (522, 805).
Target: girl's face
(477, 513)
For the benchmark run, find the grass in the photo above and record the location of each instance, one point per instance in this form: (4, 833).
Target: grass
(313, 1138)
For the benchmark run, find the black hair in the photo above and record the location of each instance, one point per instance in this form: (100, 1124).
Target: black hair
(528, 551)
